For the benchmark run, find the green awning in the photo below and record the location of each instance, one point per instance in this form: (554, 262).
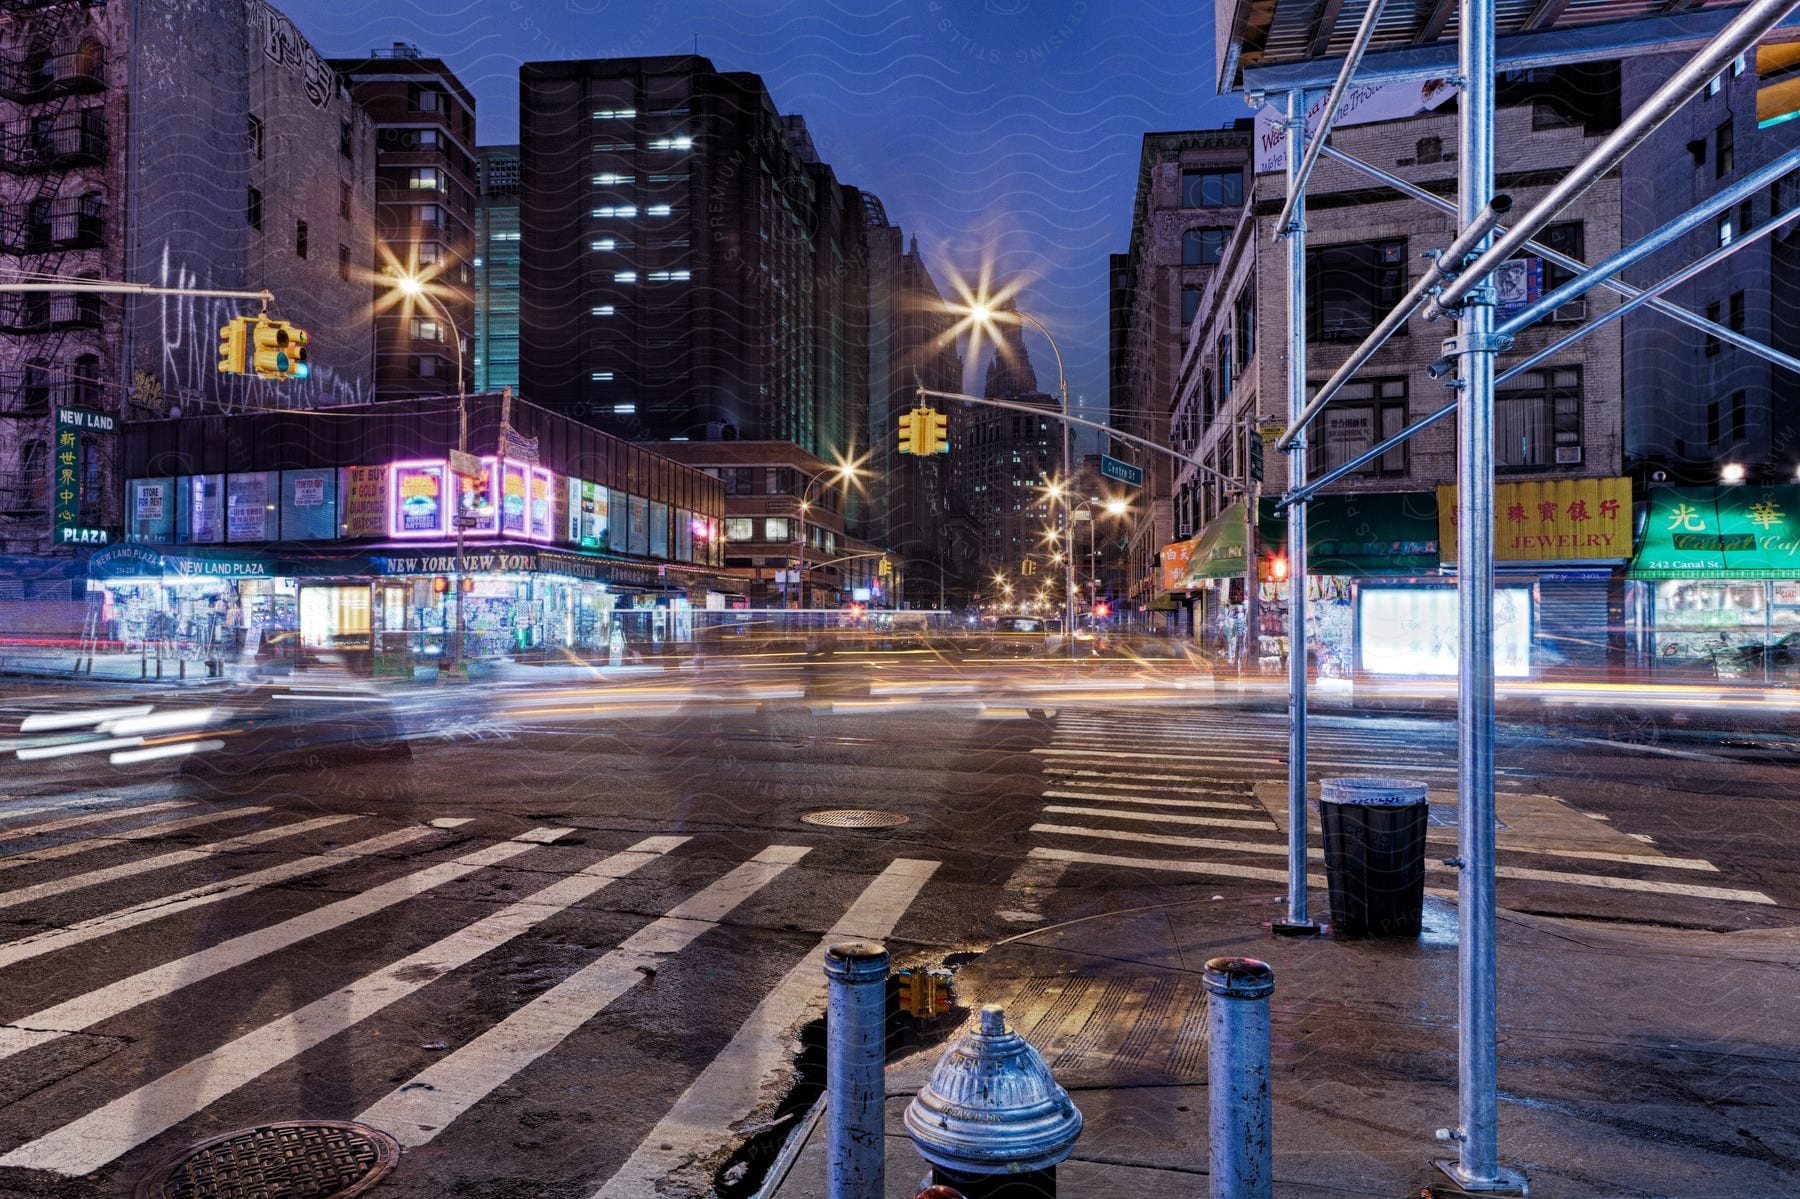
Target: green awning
(1736, 532)
(1362, 533)
(1219, 554)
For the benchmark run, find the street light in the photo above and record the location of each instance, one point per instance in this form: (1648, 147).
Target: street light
(1112, 507)
(846, 471)
(415, 287)
(983, 312)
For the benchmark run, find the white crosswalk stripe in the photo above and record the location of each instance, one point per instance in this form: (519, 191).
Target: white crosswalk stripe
(14, 952)
(22, 832)
(143, 832)
(84, 1145)
(84, 1011)
(728, 1089)
(1205, 762)
(418, 1110)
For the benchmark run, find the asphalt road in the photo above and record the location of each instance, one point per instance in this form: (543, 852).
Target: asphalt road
(548, 948)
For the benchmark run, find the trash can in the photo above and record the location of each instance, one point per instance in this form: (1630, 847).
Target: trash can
(1374, 855)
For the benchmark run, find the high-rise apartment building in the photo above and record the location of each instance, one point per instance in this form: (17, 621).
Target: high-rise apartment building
(690, 269)
(275, 165)
(496, 334)
(425, 179)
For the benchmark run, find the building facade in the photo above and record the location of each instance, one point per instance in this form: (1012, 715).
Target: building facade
(1191, 188)
(1712, 434)
(910, 346)
(276, 166)
(1382, 543)
(426, 184)
(690, 268)
(496, 335)
(249, 539)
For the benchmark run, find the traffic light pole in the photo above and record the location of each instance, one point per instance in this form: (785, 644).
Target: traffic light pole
(139, 289)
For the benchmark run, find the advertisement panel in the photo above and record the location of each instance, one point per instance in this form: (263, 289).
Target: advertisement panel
(364, 507)
(1175, 558)
(512, 498)
(250, 506)
(541, 505)
(587, 514)
(416, 499)
(1411, 631)
(1362, 104)
(1550, 520)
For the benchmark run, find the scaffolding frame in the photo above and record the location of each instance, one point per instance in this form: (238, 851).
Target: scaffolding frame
(1459, 285)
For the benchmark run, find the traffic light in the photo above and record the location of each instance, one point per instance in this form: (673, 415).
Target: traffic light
(1778, 78)
(938, 432)
(1027, 567)
(906, 432)
(1278, 568)
(923, 994)
(884, 569)
(1102, 610)
(234, 338)
(280, 350)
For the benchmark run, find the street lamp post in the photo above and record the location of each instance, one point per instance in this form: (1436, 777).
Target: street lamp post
(845, 472)
(415, 288)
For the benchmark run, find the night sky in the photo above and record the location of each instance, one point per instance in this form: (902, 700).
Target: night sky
(997, 130)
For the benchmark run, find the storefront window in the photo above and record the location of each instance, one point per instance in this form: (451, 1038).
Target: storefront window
(151, 516)
(659, 530)
(250, 512)
(739, 528)
(206, 508)
(335, 618)
(1721, 628)
(308, 505)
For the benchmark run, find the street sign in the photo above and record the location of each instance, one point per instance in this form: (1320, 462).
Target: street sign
(465, 464)
(1124, 472)
(83, 418)
(467, 522)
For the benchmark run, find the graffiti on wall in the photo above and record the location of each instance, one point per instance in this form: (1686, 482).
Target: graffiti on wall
(285, 46)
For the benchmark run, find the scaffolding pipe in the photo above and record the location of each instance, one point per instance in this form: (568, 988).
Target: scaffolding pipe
(1664, 237)
(1649, 295)
(1297, 177)
(1440, 269)
(1757, 19)
(1297, 922)
(1570, 263)
(1477, 1167)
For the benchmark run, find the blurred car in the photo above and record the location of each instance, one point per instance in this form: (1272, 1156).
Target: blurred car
(1018, 636)
(277, 727)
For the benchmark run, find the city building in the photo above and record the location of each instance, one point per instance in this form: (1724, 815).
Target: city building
(779, 498)
(910, 346)
(496, 336)
(1383, 545)
(689, 267)
(275, 162)
(426, 183)
(1712, 434)
(250, 537)
(1002, 463)
(1190, 192)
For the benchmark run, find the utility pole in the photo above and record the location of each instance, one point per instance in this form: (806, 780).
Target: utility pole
(1252, 587)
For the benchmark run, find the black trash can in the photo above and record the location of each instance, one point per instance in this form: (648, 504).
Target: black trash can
(1374, 855)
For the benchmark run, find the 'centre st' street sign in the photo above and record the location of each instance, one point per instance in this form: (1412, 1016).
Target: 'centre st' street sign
(1124, 472)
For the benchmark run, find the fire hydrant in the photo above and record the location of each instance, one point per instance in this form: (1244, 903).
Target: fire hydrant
(992, 1121)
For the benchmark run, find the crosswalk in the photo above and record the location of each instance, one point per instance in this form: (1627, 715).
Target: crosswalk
(306, 927)
(1202, 795)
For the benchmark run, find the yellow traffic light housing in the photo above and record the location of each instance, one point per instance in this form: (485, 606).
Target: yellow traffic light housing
(906, 432)
(938, 436)
(234, 340)
(280, 349)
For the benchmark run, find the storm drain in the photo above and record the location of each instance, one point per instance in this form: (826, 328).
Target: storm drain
(293, 1159)
(854, 818)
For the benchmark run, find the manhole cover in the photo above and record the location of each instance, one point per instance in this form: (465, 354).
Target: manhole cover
(293, 1159)
(854, 818)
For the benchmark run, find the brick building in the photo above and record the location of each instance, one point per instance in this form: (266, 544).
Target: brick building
(425, 179)
(275, 163)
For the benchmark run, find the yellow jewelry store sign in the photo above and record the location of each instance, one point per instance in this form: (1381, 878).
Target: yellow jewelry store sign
(1550, 520)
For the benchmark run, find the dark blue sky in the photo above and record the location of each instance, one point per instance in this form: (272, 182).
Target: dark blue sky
(1005, 130)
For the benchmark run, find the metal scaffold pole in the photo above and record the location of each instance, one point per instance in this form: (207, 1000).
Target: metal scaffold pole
(1477, 1166)
(1297, 921)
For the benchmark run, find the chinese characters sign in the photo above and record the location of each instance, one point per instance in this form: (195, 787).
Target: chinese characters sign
(73, 427)
(1175, 558)
(1555, 520)
(1742, 532)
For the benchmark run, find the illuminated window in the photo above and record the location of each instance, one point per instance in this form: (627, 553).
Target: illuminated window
(658, 210)
(603, 310)
(624, 276)
(610, 178)
(615, 114)
(672, 143)
(670, 276)
(616, 210)
(624, 409)
(601, 376)
(605, 243)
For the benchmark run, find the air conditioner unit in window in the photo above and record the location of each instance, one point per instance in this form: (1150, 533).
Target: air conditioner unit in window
(1574, 310)
(1568, 455)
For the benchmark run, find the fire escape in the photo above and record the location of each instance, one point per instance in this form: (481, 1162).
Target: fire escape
(53, 213)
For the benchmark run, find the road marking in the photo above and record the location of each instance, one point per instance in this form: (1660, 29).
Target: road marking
(1065, 778)
(543, 836)
(1183, 759)
(155, 909)
(8, 812)
(180, 857)
(84, 1011)
(417, 1110)
(1521, 873)
(143, 832)
(452, 821)
(1026, 887)
(1164, 818)
(84, 1145)
(1214, 869)
(54, 826)
(735, 1081)
(1186, 779)
(1153, 801)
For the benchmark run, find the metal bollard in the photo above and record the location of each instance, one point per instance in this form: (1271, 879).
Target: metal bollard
(1240, 1159)
(855, 1070)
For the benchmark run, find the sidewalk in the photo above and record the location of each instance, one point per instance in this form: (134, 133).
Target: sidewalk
(1633, 1061)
